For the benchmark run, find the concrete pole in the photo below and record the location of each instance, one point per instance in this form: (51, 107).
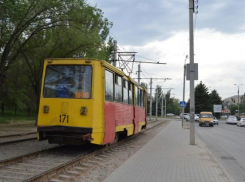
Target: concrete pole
(115, 53)
(150, 98)
(156, 104)
(238, 102)
(192, 96)
(165, 105)
(183, 109)
(162, 108)
(139, 74)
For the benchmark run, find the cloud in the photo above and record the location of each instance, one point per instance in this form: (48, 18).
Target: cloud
(220, 58)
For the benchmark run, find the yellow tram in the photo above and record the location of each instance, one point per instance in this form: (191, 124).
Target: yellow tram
(88, 100)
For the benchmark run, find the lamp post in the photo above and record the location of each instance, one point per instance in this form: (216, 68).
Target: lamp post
(238, 97)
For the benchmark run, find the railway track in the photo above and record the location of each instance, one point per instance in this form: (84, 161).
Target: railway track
(56, 163)
(20, 137)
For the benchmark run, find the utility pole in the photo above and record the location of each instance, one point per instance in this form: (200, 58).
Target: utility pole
(150, 98)
(163, 98)
(238, 97)
(115, 53)
(162, 106)
(183, 109)
(192, 98)
(156, 104)
(165, 106)
(139, 74)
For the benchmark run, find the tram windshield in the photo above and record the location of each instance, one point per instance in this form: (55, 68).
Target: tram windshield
(65, 81)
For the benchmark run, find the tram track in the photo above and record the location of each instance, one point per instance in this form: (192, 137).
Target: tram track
(19, 137)
(46, 164)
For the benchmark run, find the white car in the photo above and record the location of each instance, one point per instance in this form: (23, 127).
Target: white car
(197, 117)
(187, 117)
(170, 114)
(231, 120)
(216, 121)
(241, 122)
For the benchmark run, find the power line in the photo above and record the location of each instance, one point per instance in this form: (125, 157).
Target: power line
(146, 58)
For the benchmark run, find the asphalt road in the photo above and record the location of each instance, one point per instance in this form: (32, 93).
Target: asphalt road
(227, 143)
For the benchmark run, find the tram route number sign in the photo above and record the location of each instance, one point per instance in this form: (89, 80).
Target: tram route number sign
(182, 104)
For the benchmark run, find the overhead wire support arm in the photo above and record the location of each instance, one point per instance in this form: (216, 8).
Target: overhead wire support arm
(147, 62)
(157, 78)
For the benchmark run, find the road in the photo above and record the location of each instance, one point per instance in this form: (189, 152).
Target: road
(227, 143)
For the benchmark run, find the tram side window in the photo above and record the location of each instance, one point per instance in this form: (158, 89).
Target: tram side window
(125, 91)
(141, 98)
(109, 91)
(118, 88)
(130, 95)
(138, 97)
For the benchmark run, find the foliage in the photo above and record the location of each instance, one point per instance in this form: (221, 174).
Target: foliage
(172, 104)
(33, 30)
(204, 100)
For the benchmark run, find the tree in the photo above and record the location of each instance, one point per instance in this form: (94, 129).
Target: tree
(202, 101)
(33, 30)
(23, 21)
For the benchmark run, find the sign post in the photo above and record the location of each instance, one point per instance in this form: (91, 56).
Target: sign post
(183, 105)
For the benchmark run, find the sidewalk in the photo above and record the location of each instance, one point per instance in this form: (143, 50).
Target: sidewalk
(168, 157)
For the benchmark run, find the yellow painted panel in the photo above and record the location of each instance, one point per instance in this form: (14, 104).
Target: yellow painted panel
(130, 129)
(120, 128)
(141, 124)
(98, 138)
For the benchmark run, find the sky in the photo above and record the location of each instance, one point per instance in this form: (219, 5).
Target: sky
(159, 30)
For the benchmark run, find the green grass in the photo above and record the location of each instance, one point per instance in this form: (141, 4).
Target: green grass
(20, 118)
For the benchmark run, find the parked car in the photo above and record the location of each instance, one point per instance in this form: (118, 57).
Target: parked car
(184, 115)
(231, 120)
(241, 122)
(197, 117)
(224, 116)
(187, 117)
(216, 121)
(170, 114)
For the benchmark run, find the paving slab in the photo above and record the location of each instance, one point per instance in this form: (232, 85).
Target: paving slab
(169, 157)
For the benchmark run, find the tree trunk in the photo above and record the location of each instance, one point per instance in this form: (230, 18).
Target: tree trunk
(2, 109)
(28, 111)
(15, 110)
(37, 93)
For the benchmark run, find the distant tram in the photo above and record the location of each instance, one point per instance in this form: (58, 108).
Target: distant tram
(87, 100)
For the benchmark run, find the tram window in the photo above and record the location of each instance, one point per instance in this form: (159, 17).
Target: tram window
(142, 99)
(68, 81)
(125, 91)
(138, 97)
(109, 91)
(130, 95)
(118, 88)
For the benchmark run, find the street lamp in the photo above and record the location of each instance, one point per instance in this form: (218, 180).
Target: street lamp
(238, 97)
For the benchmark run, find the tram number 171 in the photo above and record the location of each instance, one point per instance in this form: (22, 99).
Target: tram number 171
(63, 118)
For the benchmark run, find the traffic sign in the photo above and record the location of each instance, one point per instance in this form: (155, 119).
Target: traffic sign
(182, 104)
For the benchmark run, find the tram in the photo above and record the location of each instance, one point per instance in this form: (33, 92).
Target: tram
(88, 100)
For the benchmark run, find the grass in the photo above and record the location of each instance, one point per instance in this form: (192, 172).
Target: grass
(20, 118)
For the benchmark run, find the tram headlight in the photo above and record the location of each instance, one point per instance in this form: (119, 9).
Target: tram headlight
(45, 109)
(83, 110)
